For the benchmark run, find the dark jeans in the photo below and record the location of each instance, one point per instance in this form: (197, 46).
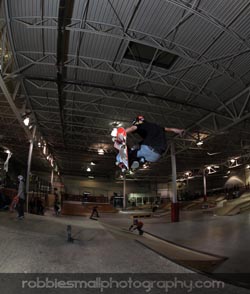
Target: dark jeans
(134, 227)
(20, 207)
(94, 211)
(140, 230)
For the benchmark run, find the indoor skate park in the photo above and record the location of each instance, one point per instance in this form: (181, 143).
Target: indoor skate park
(72, 71)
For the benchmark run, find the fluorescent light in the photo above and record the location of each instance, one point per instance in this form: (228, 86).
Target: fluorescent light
(116, 124)
(88, 169)
(100, 151)
(26, 121)
(199, 143)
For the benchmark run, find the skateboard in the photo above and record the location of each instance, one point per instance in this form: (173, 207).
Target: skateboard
(132, 231)
(120, 143)
(14, 203)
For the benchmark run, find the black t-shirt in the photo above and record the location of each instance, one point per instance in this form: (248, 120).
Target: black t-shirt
(153, 136)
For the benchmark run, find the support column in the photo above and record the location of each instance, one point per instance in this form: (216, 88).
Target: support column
(52, 181)
(205, 185)
(28, 168)
(124, 192)
(174, 204)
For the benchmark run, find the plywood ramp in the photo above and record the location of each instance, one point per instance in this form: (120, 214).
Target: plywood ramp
(79, 209)
(235, 206)
(188, 257)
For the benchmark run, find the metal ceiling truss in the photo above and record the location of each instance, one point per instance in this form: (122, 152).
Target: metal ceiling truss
(31, 63)
(79, 129)
(108, 110)
(5, 53)
(18, 86)
(132, 71)
(238, 109)
(83, 109)
(108, 30)
(223, 111)
(233, 113)
(126, 71)
(112, 91)
(215, 68)
(211, 19)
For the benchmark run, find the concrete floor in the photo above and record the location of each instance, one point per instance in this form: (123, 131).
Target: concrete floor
(39, 244)
(226, 236)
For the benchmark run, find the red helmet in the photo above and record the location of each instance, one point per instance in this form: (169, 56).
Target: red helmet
(138, 119)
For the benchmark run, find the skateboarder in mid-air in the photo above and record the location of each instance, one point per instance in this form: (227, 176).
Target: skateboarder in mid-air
(153, 143)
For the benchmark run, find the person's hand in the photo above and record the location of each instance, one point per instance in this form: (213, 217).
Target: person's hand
(181, 132)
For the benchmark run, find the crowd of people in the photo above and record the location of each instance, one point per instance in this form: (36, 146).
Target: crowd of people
(36, 203)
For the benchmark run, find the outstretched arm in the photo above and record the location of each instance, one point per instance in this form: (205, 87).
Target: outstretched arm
(174, 130)
(131, 129)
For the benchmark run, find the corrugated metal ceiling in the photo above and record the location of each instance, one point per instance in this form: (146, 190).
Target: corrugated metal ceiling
(76, 79)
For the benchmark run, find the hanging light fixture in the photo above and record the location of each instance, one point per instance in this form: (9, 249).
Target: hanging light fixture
(233, 162)
(100, 151)
(26, 121)
(199, 143)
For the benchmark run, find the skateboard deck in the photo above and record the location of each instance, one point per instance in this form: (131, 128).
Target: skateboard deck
(120, 143)
(14, 203)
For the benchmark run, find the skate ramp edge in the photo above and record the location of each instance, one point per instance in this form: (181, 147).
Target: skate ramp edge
(234, 207)
(190, 258)
(187, 257)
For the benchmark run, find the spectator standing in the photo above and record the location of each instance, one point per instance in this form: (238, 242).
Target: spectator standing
(21, 197)
(56, 203)
(94, 212)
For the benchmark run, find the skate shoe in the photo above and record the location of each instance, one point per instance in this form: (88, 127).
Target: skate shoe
(135, 165)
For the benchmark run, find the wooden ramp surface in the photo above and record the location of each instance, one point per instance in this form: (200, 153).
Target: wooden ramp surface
(188, 257)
